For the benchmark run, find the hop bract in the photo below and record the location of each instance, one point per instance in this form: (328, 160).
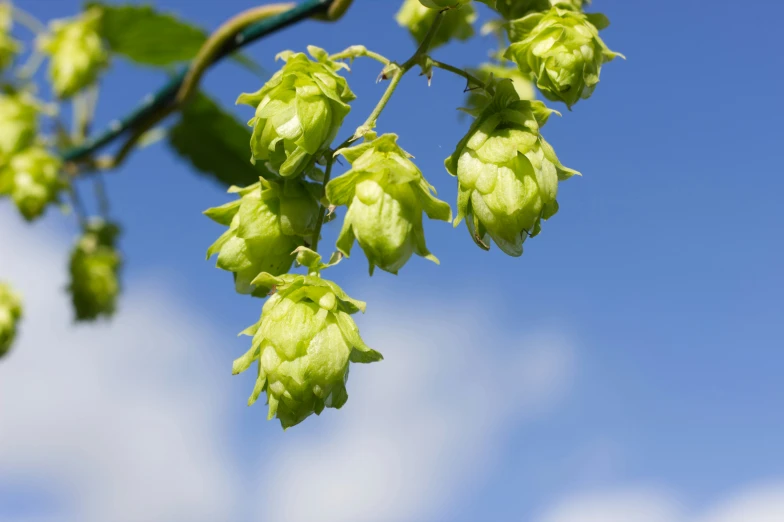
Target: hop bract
(32, 179)
(507, 174)
(76, 52)
(522, 83)
(562, 50)
(18, 123)
(386, 195)
(303, 345)
(269, 221)
(8, 46)
(10, 313)
(455, 23)
(298, 112)
(94, 268)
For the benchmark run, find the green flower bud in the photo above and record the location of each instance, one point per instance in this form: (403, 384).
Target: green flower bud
(8, 46)
(18, 123)
(507, 174)
(10, 313)
(523, 85)
(269, 221)
(298, 112)
(77, 52)
(443, 4)
(303, 344)
(32, 179)
(94, 267)
(386, 195)
(562, 50)
(455, 23)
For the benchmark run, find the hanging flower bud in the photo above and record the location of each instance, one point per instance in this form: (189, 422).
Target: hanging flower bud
(562, 49)
(10, 313)
(507, 174)
(77, 52)
(18, 123)
(8, 46)
(269, 221)
(303, 344)
(522, 84)
(513, 9)
(386, 195)
(456, 24)
(94, 267)
(298, 112)
(32, 179)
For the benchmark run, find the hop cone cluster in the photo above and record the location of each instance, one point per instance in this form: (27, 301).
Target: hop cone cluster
(8, 46)
(94, 268)
(10, 313)
(32, 179)
(298, 111)
(386, 195)
(562, 49)
(18, 121)
(507, 173)
(303, 345)
(456, 24)
(76, 51)
(266, 224)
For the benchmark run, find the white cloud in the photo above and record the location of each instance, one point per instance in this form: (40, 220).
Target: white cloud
(763, 503)
(420, 429)
(123, 419)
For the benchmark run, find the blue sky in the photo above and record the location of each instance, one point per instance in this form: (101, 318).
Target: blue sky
(626, 368)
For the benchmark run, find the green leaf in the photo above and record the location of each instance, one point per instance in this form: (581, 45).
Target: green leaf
(148, 37)
(215, 143)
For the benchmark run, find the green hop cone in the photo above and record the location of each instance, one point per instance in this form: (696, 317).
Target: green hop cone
(298, 111)
(10, 313)
(8, 46)
(513, 9)
(303, 345)
(477, 99)
(32, 179)
(562, 49)
(94, 268)
(386, 195)
(507, 174)
(456, 24)
(76, 51)
(18, 123)
(266, 224)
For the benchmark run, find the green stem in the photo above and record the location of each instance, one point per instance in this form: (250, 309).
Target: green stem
(358, 52)
(101, 195)
(323, 210)
(465, 74)
(400, 71)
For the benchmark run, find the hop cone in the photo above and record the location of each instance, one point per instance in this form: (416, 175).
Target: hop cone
(386, 195)
(18, 123)
(298, 112)
(507, 174)
(522, 83)
(443, 4)
(562, 49)
(76, 51)
(455, 23)
(303, 344)
(513, 9)
(10, 313)
(8, 46)
(32, 179)
(269, 221)
(94, 268)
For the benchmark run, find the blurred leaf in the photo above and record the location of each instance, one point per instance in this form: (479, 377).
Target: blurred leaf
(146, 36)
(215, 143)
